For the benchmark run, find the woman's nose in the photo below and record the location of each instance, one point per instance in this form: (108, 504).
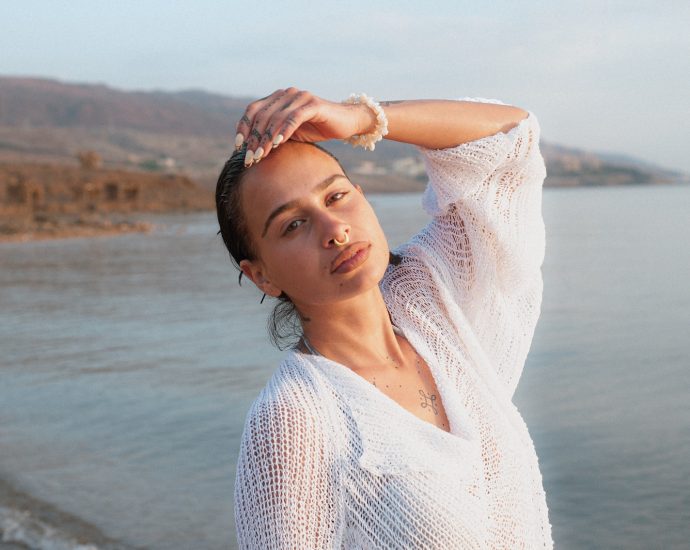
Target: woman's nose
(336, 233)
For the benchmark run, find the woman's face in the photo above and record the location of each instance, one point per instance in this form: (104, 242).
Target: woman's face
(296, 202)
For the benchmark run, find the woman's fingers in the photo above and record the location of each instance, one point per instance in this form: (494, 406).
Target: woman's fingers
(303, 109)
(244, 126)
(266, 123)
(272, 120)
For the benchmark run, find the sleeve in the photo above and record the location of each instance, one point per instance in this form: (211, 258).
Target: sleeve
(287, 490)
(487, 237)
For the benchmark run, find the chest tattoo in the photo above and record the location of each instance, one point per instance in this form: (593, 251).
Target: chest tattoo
(429, 401)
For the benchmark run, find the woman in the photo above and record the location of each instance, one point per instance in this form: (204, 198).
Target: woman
(390, 423)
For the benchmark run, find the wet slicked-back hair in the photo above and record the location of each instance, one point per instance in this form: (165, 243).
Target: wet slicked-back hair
(284, 323)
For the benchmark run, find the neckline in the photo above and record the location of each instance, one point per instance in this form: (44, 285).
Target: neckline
(348, 372)
(314, 351)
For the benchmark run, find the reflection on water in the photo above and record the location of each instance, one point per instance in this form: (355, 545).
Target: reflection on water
(128, 365)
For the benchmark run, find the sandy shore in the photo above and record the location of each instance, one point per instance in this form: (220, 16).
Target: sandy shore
(27, 522)
(75, 231)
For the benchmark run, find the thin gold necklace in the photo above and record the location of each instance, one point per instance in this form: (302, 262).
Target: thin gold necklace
(313, 351)
(428, 399)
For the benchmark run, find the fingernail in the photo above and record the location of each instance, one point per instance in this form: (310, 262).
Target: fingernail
(249, 158)
(239, 139)
(259, 153)
(277, 140)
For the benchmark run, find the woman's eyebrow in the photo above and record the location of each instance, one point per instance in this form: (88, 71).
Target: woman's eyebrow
(295, 203)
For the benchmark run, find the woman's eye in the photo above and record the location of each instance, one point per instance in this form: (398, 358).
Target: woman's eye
(292, 226)
(336, 196)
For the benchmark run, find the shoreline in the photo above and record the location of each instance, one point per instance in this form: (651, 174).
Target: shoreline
(77, 231)
(57, 230)
(28, 522)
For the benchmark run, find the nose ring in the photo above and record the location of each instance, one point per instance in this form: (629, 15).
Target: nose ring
(338, 243)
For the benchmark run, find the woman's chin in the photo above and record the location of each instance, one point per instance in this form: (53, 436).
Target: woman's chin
(350, 288)
(338, 287)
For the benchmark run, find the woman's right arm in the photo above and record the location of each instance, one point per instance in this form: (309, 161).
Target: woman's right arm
(287, 489)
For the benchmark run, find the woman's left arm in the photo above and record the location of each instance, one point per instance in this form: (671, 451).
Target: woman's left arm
(430, 123)
(440, 123)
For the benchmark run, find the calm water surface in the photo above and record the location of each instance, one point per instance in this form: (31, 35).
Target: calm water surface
(128, 365)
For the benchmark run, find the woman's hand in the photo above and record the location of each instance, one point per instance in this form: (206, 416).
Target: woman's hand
(298, 115)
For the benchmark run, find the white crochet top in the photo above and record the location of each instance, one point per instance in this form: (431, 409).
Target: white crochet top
(327, 460)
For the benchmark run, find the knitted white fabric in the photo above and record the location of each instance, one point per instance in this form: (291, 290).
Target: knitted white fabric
(327, 460)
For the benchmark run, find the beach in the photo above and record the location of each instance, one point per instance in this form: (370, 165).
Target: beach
(26, 521)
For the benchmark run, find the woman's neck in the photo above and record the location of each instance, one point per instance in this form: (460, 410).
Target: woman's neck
(356, 332)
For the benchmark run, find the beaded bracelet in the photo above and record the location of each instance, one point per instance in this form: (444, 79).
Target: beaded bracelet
(367, 141)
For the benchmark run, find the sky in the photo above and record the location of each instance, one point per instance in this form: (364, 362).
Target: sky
(604, 76)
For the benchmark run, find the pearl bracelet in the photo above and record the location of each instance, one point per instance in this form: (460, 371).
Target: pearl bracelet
(368, 141)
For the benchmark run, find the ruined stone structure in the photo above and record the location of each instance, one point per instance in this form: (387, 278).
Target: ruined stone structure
(89, 160)
(35, 194)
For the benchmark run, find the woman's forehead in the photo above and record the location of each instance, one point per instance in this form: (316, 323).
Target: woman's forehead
(289, 173)
(288, 168)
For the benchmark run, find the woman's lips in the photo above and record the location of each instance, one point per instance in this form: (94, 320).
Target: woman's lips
(352, 257)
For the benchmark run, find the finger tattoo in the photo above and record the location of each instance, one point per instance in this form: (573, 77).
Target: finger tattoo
(245, 119)
(255, 133)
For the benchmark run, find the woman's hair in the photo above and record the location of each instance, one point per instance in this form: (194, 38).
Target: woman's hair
(284, 324)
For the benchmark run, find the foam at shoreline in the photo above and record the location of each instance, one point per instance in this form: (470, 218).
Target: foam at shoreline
(27, 522)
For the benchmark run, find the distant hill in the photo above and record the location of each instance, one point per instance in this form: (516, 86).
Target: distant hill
(37, 103)
(192, 132)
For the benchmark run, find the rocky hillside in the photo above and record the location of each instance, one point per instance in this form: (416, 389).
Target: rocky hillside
(191, 133)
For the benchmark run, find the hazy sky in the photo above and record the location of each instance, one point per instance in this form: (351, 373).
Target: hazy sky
(600, 75)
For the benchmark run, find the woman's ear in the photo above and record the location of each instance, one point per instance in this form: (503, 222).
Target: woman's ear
(255, 272)
(358, 188)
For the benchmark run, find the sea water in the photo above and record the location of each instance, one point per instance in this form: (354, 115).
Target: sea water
(128, 364)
